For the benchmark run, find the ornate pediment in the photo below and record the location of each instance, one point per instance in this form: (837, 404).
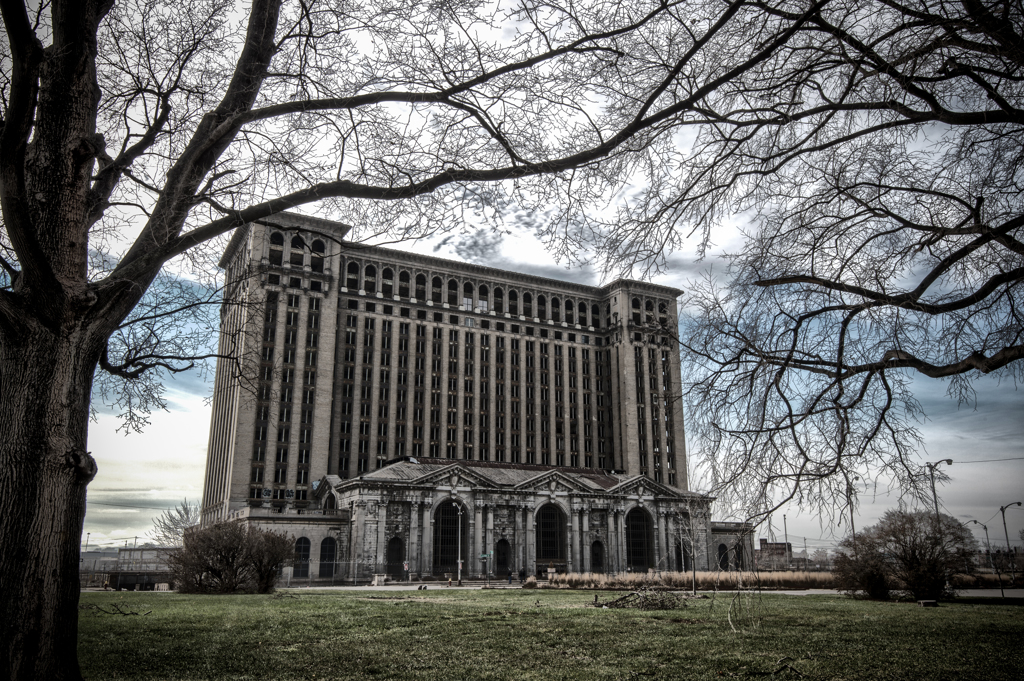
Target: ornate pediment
(552, 483)
(454, 476)
(645, 488)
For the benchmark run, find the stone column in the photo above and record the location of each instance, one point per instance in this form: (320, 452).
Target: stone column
(355, 551)
(382, 538)
(574, 566)
(414, 538)
(610, 550)
(585, 541)
(427, 553)
(659, 543)
(477, 534)
(519, 539)
(531, 543)
(620, 520)
(489, 537)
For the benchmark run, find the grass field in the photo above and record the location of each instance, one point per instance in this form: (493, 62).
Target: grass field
(540, 634)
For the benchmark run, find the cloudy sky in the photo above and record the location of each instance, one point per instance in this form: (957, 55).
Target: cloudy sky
(142, 474)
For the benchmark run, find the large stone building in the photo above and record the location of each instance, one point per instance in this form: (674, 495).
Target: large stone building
(395, 412)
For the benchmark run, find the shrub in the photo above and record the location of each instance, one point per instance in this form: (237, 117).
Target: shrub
(531, 582)
(230, 557)
(910, 551)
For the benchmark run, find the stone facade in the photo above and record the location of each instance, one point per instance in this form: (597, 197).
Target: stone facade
(361, 374)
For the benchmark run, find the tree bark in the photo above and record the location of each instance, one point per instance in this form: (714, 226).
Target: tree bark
(45, 384)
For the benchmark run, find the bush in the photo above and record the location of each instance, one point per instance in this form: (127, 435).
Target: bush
(531, 582)
(910, 551)
(706, 581)
(230, 557)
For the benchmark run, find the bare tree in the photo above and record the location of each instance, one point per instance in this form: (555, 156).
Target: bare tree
(136, 134)
(879, 163)
(169, 527)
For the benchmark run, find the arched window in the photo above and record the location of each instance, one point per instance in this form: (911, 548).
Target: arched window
(421, 287)
(467, 296)
(527, 305)
(328, 558)
(582, 321)
(447, 525)
(277, 239)
(568, 312)
(301, 558)
(403, 284)
(649, 308)
(352, 280)
(316, 260)
(636, 311)
(298, 242)
(435, 292)
(481, 299)
(723, 557)
(663, 314)
(556, 312)
(453, 292)
(387, 283)
(595, 316)
(499, 300)
(639, 540)
(542, 308)
(513, 302)
(370, 279)
(550, 535)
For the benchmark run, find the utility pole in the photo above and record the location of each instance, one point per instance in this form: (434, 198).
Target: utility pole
(1009, 550)
(935, 496)
(785, 534)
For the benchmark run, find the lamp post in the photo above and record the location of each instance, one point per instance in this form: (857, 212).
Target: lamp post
(849, 499)
(1013, 565)
(988, 550)
(935, 496)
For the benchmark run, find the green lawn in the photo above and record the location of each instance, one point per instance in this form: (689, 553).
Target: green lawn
(520, 634)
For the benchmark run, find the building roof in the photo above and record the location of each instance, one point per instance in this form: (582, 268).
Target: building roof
(338, 230)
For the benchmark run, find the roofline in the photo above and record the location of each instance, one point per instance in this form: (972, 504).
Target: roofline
(338, 230)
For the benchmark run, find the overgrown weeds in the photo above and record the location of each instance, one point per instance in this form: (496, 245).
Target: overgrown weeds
(705, 581)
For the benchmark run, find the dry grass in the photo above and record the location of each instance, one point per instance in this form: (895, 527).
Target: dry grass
(706, 581)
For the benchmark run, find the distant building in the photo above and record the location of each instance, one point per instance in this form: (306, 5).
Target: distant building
(391, 410)
(774, 555)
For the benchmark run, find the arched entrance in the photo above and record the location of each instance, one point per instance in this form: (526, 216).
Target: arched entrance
(395, 559)
(597, 557)
(328, 558)
(446, 538)
(502, 556)
(550, 539)
(723, 557)
(639, 540)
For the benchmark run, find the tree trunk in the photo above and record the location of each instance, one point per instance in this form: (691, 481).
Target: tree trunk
(45, 384)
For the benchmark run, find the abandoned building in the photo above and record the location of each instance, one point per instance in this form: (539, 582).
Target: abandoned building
(399, 413)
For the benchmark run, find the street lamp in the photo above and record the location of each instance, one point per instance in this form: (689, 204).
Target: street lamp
(1013, 565)
(935, 497)
(988, 550)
